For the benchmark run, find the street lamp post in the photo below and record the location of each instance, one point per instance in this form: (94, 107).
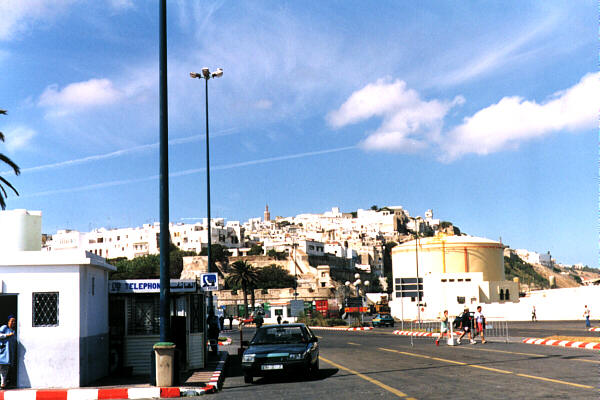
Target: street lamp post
(206, 75)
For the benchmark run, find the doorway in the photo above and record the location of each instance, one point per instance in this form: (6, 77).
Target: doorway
(8, 306)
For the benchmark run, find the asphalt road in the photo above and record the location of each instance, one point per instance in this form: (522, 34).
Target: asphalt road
(377, 364)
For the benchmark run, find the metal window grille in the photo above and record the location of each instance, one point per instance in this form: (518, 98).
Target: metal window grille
(45, 309)
(144, 315)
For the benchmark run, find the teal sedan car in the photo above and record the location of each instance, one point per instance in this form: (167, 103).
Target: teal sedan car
(383, 320)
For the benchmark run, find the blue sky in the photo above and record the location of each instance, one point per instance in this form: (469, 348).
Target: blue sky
(488, 114)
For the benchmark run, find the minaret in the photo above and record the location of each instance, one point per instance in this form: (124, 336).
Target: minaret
(267, 214)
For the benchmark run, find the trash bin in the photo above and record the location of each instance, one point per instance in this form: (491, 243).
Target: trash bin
(165, 363)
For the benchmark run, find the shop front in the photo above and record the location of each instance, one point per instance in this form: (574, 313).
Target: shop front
(134, 322)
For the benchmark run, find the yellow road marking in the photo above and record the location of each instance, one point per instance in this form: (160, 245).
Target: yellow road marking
(368, 378)
(354, 344)
(489, 369)
(555, 381)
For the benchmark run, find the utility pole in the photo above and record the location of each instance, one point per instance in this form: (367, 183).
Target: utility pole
(165, 283)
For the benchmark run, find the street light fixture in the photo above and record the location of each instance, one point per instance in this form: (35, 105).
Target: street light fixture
(206, 75)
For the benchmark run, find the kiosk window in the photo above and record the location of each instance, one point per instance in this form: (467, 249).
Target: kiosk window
(45, 309)
(144, 315)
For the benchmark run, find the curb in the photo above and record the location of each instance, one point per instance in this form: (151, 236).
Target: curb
(412, 333)
(328, 328)
(93, 394)
(214, 384)
(594, 329)
(563, 343)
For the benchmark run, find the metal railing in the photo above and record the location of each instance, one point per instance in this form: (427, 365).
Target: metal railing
(430, 330)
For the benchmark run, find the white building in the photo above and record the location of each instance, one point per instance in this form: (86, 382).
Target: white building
(144, 240)
(455, 271)
(61, 304)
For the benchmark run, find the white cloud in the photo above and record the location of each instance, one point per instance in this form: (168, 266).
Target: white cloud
(264, 104)
(17, 16)
(409, 123)
(79, 95)
(18, 137)
(514, 120)
(121, 4)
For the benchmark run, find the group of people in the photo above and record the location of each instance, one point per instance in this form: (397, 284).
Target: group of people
(465, 324)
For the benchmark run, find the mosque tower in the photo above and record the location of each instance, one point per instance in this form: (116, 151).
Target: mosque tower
(267, 214)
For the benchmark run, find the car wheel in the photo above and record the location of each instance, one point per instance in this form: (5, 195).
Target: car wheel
(315, 367)
(248, 378)
(392, 325)
(373, 323)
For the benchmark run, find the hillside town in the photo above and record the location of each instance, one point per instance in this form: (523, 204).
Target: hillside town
(323, 252)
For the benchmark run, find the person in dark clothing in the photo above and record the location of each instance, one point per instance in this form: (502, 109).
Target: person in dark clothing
(466, 324)
(213, 331)
(230, 322)
(222, 322)
(279, 320)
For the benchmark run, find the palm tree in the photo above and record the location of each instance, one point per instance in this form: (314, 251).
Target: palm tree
(243, 274)
(4, 182)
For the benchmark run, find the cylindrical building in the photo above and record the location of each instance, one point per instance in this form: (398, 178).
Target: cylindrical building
(449, 254)
(20, 230)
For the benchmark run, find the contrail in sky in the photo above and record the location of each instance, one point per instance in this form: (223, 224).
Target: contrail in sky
(119, 153)
(188, 172)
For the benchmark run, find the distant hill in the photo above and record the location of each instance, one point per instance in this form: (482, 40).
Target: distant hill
(537, 276)
(514, 266)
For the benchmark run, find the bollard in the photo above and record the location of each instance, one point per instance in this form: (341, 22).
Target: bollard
(165, 363)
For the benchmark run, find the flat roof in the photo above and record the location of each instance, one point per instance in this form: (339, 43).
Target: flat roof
(54, 258)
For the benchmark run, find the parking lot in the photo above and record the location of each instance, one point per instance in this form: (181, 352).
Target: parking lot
(378, 364)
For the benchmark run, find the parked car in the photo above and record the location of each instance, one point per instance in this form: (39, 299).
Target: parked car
(281, 349)
(383, 320)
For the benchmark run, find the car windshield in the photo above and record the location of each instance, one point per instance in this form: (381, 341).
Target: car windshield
(276, 335)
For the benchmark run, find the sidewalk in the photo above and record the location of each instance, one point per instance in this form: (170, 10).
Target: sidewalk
(198, 382)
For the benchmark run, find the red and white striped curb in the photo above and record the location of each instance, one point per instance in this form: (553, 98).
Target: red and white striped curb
(563, 343)
(594, 329)
(215, 379)
(94, 394)
(329, 328)
(221, 343)
(413, 333)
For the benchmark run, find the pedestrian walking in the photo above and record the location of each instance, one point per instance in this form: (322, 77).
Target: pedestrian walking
(8, 350)
(533, 315)
(213, 331)
(230, 322)
(222, 322)
(586, 314)
(279, 320)
(443, 327)
(479, 325)
(466, 325)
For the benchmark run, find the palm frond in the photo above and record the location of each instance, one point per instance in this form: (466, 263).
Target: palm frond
(10, 162)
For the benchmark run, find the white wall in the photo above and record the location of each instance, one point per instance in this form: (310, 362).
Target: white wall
(48, 356)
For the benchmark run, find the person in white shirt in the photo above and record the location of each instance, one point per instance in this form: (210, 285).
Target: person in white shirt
(479, 324)
(586, 314)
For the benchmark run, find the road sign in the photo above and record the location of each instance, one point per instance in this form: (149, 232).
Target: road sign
(354, 302)
(409, 287)
(356, 309)
(296, 307)
(209, 281)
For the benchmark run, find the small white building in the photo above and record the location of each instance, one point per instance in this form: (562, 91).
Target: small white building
(61, 304)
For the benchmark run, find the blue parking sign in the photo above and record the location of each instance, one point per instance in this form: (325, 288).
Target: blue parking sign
(209, 282)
